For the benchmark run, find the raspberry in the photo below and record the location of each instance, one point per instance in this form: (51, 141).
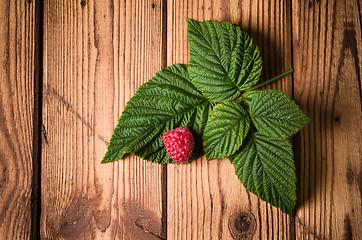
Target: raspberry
(179, 144)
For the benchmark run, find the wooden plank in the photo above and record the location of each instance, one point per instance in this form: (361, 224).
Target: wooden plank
(205, 199)
(97, 54)
(327, 60)
(18, 125)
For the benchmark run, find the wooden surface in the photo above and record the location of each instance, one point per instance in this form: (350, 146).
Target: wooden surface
(327, 58)
(206, 199)
(95, 55)
(19, 71)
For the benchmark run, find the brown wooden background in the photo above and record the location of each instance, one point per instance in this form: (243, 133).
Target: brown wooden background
(67, 68)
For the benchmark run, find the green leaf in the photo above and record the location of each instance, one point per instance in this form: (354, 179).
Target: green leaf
(274, 114)
(224, 61)
(265, 166)
(247, 98)
(167, 101)
(225, 130)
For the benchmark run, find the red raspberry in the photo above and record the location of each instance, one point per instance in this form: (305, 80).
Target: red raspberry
(179, 144)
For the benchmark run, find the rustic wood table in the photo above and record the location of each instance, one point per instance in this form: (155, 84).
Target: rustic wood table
(67, 68)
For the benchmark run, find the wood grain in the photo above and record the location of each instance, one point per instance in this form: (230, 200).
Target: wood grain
(205, 199)
(327, 48)
(96, 55)
(18, 119)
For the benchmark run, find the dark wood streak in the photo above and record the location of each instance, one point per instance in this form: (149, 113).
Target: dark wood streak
(164, 23)
(211, 198)
(259, 222)
(318, 157)
(222, 202)
(148, 231)
(359, 182)
(305, 227)
(48, 92)
(248, 193)
(37, 119)
(349, 42)
(347, 228)
(332, 129)
(359, 14)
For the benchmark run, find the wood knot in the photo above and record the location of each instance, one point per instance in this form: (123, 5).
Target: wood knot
(313, 3)
(350, 176)
(242, 225)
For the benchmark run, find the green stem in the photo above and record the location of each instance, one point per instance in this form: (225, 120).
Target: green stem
(271, 80)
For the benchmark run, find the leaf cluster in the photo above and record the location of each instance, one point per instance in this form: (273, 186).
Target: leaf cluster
(213, 97)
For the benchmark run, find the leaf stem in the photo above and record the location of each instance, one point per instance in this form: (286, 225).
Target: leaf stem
(271, 80)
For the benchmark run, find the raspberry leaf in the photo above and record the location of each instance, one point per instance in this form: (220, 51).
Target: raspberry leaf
(265, 166)
(274, 114)
(225, 130)
(167, 101)
(224, 61)
(246, 99)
